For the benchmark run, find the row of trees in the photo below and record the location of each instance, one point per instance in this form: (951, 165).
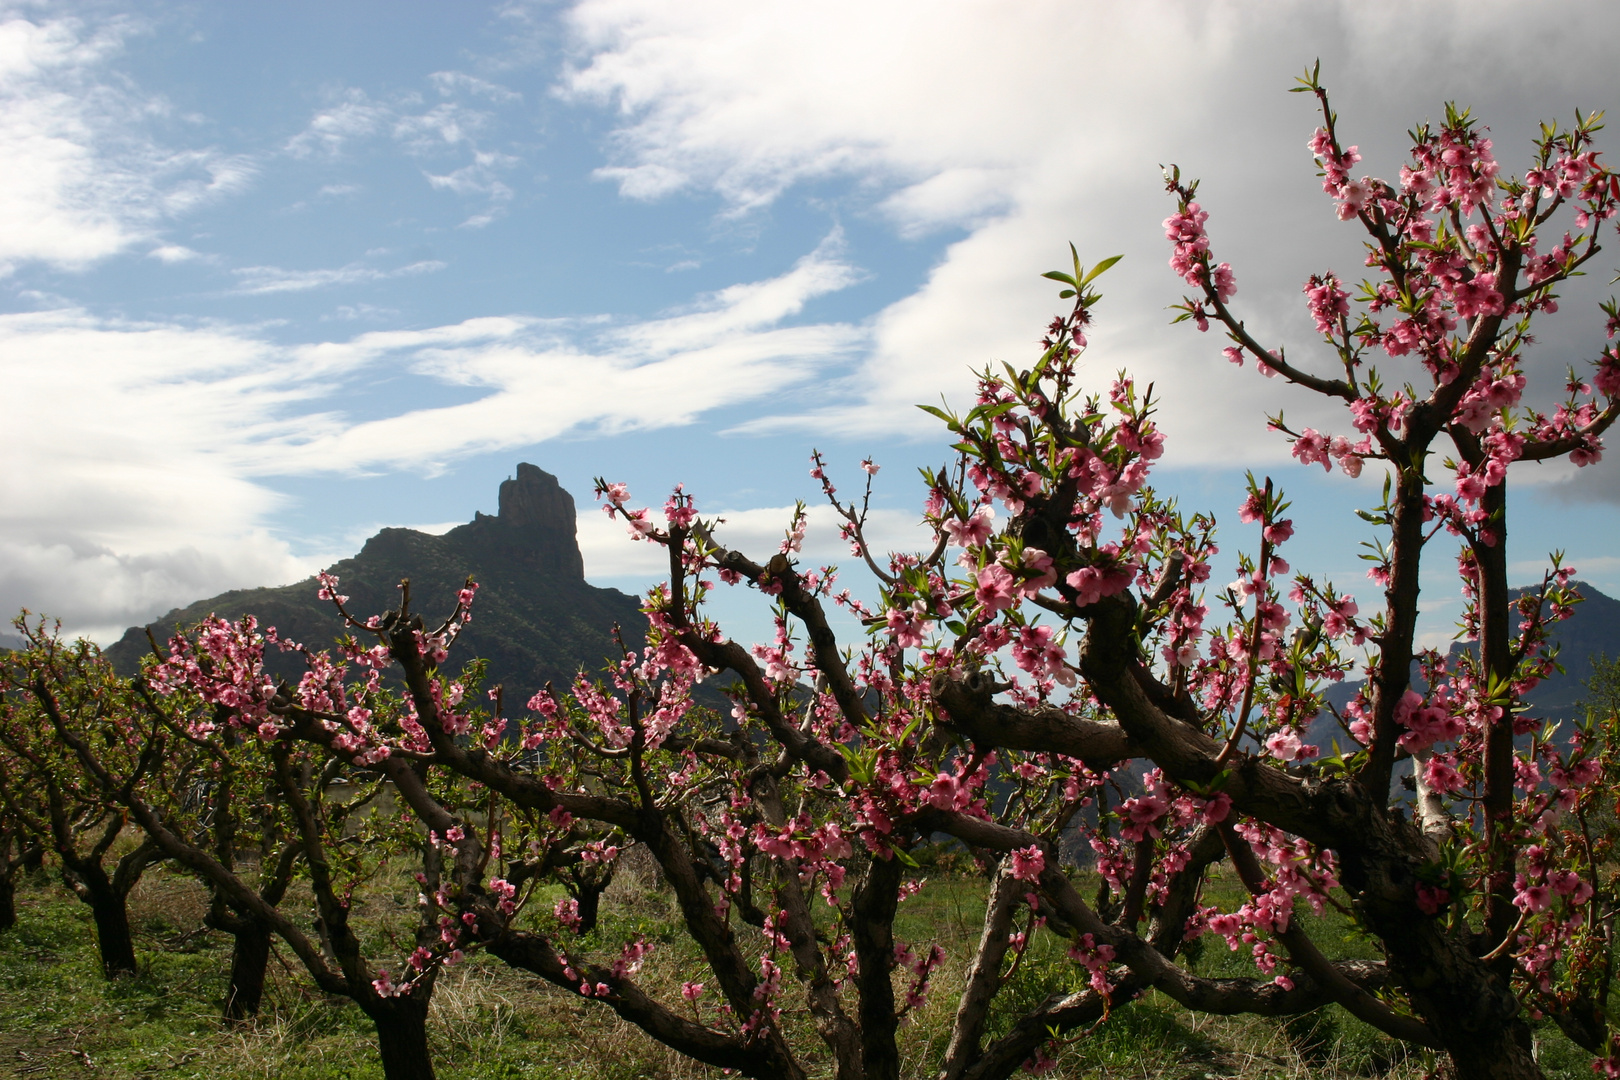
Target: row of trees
(1062, 627)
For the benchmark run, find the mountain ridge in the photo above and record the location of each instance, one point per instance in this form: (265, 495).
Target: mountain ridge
(536, 619)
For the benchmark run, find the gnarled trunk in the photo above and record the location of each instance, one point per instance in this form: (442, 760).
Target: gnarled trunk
(402, 1037)
(113, 938)
(250, 956)
(1468, 1006)
(8, 901)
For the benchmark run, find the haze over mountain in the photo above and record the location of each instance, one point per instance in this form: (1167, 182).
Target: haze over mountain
(536, 619)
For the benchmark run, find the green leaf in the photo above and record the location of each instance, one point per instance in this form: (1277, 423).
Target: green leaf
(1100, 267)
(1058, 275)
(862, 764)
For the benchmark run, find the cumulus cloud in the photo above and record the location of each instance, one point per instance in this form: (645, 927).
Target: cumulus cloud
(137, 478)
(1029, 126)
(85, 175)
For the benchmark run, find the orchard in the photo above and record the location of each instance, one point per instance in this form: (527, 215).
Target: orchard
(1064, 688)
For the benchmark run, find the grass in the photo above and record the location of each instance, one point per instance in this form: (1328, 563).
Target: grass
(60, 1018)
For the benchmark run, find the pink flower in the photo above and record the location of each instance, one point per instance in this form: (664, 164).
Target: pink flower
(906, 626)
(1327, 302)
(691, 991)
(947, 793)
(1285, 745)
(1027, 863)
(1312, 447)
(1431, 900)
(1532, 897)
(996, 588)
(1478, 297)
(1039, 563)
(974, 531)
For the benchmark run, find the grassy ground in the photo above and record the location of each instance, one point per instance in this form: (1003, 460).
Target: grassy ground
(59, 1018)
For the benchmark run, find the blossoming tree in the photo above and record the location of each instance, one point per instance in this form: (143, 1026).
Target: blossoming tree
(45, 800)
(1060, 627)
(265, 765)
(1462, 265)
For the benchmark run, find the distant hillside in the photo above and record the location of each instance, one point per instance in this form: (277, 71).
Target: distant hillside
(1593, 631)
(535, 619)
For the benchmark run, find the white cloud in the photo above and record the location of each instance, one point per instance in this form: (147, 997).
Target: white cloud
(140, 452)
(353, 116)
(85, 177)
(478, 177)
(1034, 124)
(260, 280)
(441, 126)
(446, 129)
(449, 83)
(173, 253)
(610, 551)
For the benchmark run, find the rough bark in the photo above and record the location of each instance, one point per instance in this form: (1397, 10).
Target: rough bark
(872, 927)
(113, 940)
(8, 902)
(984, 975)
(402, 1038)
(250, 956)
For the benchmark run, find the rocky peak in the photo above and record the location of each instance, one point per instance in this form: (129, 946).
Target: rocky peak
(533, 499)
(534, 524)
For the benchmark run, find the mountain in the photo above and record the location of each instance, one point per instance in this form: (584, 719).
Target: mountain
(535, 620)
(1593, 631)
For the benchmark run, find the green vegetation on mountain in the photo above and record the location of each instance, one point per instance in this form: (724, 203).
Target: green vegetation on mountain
(536, 618)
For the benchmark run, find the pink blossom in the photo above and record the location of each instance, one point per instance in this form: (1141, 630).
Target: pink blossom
(947, 793)
(1477, 297)
(1285, 745)
(974, 531)
(1027, 863)
(996, 590)
(906, 625)
(1312, 447)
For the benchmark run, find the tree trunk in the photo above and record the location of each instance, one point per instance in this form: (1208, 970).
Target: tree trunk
(8, 901)
(590, 907)
(112, 934)
(249, 958)
(402, 1038)
(1470, 1009)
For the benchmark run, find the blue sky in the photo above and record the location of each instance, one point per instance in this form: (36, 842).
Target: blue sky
(275, 276)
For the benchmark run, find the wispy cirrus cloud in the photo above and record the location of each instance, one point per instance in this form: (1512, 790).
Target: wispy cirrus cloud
(142, 451)
(449, 129)
(264, 280)
(89, 171)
